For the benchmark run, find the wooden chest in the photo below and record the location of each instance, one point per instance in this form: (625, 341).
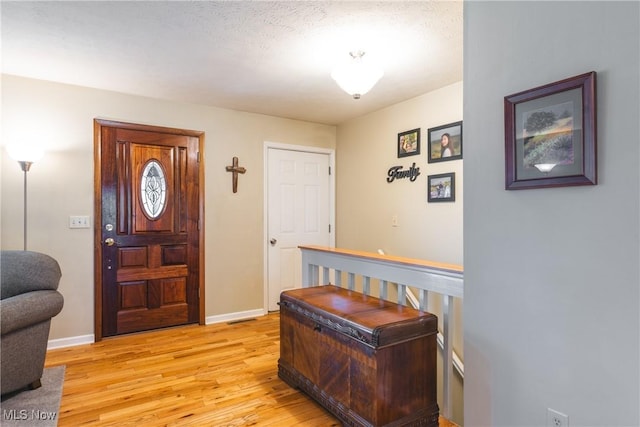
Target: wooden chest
(368, 361)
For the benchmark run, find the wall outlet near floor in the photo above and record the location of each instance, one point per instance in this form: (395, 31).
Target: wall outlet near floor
(79, 221)
(556, 419)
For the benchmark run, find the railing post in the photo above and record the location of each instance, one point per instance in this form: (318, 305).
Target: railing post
(352, 281)
(338, 277)
(309, 271)
(447, 356)
(383, 289)
(325, 276)
(305, 269)
(402, 294)
(366, 285)
(424, 300)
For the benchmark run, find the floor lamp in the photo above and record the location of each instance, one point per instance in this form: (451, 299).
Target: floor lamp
(25, 157)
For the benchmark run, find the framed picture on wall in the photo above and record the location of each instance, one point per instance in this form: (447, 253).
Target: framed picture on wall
(445, 143)
(409, 143)
(441, 187)
(550, 135)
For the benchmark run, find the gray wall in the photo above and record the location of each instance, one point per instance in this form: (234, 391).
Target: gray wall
(551, 308)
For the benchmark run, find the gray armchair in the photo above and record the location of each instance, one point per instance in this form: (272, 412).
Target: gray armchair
(28, 300)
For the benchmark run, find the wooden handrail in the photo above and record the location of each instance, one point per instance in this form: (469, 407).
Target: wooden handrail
(426, 276)
(383, 257)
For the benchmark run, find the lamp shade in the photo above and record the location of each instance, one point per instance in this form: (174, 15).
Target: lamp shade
(25, 153)
(356, 77)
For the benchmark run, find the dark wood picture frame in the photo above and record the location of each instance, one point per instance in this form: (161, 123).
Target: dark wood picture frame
(409, 143)
(453, 134)
(550, 135)
(441, 187)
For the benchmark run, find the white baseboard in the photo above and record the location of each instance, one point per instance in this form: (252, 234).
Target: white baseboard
(240, 315)
(71, 341)
(210, 320)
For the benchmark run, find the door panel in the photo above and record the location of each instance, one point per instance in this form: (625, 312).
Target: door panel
(158, 162)
(149, 238)
(298, 214)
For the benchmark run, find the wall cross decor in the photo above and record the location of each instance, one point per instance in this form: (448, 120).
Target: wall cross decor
(235, 169)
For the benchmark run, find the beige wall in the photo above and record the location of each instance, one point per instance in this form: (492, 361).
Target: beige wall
(366, 202)
(61, 184)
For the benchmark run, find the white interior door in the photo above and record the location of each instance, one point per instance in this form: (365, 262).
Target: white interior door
(298, 213)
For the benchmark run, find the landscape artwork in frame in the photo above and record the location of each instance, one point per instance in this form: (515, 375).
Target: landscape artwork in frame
(441, 187)
(550, 135)
(445, 142)
(409, 143)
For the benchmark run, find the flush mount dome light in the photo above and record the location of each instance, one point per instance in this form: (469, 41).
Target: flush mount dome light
(356, 77)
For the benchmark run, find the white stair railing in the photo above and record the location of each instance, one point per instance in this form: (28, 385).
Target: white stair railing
(413, 300)
(320, 263)
(457, 362)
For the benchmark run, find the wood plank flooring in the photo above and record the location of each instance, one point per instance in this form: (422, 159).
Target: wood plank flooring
(215, 375)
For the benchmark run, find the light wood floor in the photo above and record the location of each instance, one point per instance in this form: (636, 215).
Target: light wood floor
(216, 375)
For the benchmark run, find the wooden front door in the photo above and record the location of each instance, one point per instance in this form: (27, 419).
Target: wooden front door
(148, 228)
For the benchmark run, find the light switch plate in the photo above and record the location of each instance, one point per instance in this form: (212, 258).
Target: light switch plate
(79, 221)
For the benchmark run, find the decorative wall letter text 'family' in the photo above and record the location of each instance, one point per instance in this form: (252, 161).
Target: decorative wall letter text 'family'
(396, 172)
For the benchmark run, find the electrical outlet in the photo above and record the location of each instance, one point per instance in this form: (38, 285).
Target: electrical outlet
(557, 419)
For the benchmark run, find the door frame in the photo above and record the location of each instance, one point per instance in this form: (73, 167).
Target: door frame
(268, 145)
(98, 124)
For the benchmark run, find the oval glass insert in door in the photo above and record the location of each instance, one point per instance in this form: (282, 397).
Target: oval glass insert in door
(153, 189)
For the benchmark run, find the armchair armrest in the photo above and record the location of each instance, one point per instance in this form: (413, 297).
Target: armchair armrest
(28, 309)
(25, 271)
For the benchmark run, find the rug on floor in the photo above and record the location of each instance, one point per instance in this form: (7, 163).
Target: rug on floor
(35, 408)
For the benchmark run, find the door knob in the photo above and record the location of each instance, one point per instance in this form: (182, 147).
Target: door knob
(273, 242)
(109, 241)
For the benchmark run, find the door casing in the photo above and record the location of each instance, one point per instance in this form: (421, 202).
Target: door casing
(98, 244)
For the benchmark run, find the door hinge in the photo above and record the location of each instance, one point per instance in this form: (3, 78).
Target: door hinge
(329, 228)
(198, 160)
(329, 170)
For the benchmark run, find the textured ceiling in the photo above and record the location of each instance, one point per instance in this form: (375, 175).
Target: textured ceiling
(272, 58)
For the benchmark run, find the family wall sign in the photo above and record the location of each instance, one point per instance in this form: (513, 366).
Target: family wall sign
(397, 172)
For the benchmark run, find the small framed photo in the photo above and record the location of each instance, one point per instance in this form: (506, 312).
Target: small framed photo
(441, 187)
(550, 135)
(409, 143)
(445, 143)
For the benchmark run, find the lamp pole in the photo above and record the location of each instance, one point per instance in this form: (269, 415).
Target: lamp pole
(25, 165)
(25, 155)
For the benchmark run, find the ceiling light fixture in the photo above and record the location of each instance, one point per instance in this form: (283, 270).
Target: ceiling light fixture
(356, 77)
